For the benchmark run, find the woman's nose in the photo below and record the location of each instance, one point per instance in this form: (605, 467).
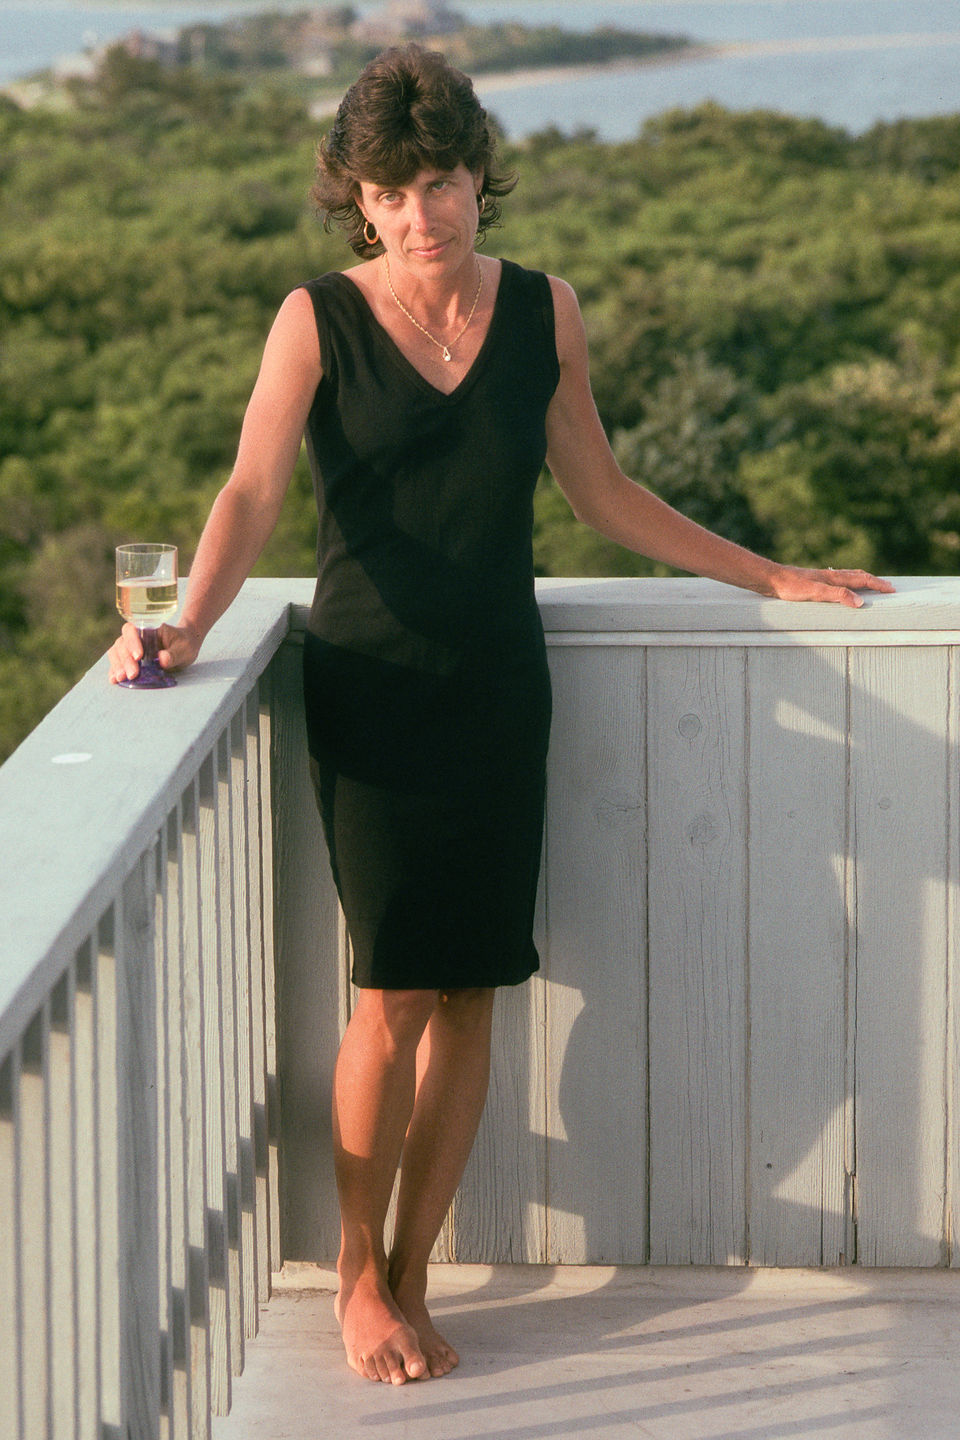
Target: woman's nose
(420, 214)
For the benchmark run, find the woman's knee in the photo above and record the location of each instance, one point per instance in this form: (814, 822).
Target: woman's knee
(401, 1014)
(468, 1008)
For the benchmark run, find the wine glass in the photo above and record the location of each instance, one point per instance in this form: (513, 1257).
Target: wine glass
(147, 596)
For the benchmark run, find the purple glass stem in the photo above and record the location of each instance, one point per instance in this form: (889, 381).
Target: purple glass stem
(151, 676)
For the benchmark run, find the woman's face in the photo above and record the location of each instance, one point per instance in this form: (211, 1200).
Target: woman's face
(429, 224)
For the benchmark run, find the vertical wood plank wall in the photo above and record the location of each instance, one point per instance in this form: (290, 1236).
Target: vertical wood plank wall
(741, 1046)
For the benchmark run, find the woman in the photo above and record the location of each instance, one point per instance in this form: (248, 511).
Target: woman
(431, 383)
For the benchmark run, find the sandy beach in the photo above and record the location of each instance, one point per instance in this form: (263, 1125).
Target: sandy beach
(498, 82)
(517, 79)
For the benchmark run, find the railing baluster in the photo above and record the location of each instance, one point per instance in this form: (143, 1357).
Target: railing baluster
(166, 1302)
(952, 1187)
(195, 1112)
(137, 1076)
(240, 882)
(61, 1162)
(34, 1232)
(86, 1196)
(177, 1136)
(227, 924)
(258, 1038)
(10, 1354)
(217, 1239)
(108, 1178)
(166, 1298)
(269, 971)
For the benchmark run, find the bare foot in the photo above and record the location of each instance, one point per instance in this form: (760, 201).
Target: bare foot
(379, 1342)
(410, 1296)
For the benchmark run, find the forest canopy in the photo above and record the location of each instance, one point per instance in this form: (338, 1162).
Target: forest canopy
(773, 309)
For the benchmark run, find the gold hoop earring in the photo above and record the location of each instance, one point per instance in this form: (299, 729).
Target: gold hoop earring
(370, 239)
(481, 205)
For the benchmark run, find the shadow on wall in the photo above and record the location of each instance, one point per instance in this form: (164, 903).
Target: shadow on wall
(738, 1048)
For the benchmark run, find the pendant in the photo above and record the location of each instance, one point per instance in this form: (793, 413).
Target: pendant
(446, 353)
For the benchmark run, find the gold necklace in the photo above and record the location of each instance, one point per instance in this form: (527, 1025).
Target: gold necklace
(445, 349)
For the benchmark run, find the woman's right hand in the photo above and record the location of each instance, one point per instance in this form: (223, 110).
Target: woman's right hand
(180, 646)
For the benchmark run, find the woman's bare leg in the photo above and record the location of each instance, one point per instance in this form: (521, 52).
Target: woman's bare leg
(374, 1090)
(453, 1070)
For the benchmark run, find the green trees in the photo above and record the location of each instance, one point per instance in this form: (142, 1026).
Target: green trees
(773, 309)
(774, 316)
(146, 239)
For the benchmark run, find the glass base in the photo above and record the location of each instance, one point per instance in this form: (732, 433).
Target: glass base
(151, 676)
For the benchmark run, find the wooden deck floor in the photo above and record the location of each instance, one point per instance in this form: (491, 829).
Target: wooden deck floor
(662, 1354)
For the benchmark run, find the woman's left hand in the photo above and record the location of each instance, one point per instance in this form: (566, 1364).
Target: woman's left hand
(837, 587)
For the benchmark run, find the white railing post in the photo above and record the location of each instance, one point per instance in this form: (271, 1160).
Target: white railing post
(86, 1195)
(62, 1167)
(137, 1206)
(32, 1229)
(108, 1178)
(9, 1353)
(240, 950)
(198, 1278)
(260, 763)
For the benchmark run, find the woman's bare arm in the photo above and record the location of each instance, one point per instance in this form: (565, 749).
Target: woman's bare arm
(245, 512)
(601, 495)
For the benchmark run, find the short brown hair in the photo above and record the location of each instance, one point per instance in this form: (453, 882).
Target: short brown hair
(408, 110)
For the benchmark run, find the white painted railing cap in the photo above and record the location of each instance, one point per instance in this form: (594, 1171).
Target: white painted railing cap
(691, 604)
(88, 789)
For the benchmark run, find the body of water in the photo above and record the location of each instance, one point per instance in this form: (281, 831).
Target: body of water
(849, 62)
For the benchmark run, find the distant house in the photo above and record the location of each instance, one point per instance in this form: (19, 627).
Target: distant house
(409, 20)
(424, 17)
(83, 66)
(318, 33)
(161, 46)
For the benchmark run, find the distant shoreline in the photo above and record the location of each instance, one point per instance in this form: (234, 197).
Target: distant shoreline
(553, 74)
(497, 82)
(548, 75)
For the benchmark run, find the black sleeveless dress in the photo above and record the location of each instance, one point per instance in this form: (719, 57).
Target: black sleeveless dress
(425, 677)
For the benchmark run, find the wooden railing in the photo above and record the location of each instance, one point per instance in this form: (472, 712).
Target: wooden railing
(741, 1047)
(138, 1176)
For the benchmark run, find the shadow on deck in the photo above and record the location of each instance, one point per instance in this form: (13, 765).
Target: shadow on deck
(661, 1353)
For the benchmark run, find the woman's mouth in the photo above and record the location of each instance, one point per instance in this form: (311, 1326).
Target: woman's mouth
(429, 249)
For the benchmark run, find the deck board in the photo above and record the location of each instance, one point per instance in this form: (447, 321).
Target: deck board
(606, 1353)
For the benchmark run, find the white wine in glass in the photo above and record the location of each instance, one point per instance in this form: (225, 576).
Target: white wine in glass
(147, 596)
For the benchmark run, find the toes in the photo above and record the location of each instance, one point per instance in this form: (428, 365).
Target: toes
(441, 1360)
(447, 1360)
(415, 1366)
(390, 1369)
